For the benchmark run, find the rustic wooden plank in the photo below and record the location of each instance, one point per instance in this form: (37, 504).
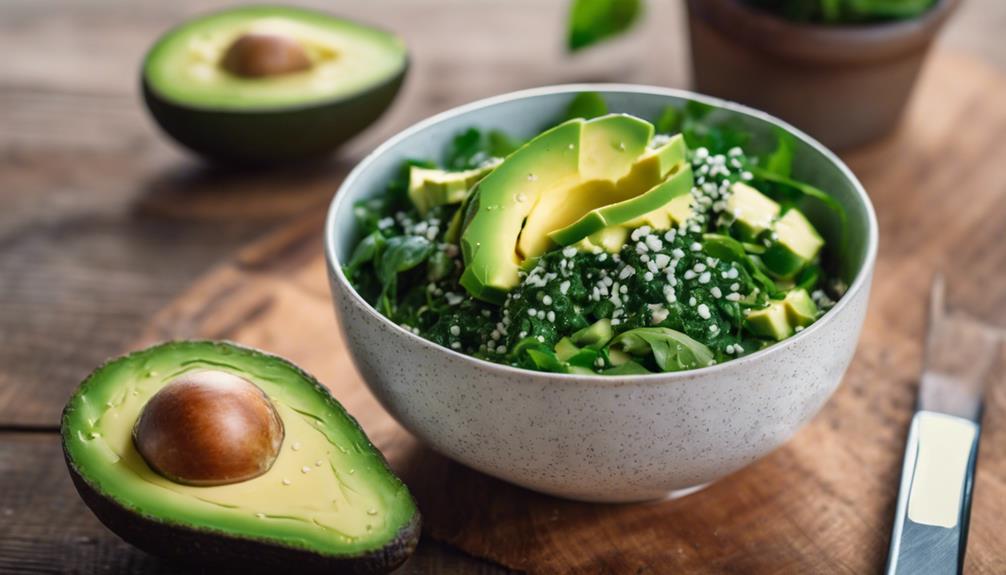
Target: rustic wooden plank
(45, 528)
(823, 502)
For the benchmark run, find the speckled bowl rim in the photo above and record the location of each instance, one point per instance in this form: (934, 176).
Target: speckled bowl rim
(340, 203)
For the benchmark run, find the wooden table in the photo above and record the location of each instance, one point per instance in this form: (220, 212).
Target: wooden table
(102, 222)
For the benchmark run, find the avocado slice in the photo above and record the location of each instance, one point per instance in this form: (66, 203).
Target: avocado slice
(270, 84)
(753, 211)
(547, 184)
(595, 335)
(566, 349)
(430, 187)
(652, 167)
(610, 239)
(795, 244)
(801, 310)
(328, 503)
(770, 321)
(651, 208)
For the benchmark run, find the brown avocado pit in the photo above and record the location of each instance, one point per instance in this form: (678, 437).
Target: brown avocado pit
(208, 428)
(257, 55)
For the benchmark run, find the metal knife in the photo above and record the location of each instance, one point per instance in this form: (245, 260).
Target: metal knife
(937, 477)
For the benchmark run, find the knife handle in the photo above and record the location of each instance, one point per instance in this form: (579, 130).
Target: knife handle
(934, 502)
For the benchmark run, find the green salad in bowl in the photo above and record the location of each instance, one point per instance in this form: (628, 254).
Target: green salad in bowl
(606, 244)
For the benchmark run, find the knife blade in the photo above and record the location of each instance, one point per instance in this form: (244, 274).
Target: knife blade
(934, 502)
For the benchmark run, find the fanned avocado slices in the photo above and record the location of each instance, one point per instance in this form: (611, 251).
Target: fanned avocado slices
(234, 487)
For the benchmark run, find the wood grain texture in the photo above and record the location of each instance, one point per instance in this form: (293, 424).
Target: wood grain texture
(102, 221)
(822, 503)
(46, 529)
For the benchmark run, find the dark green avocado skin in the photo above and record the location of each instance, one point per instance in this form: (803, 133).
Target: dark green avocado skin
(271, 136)
(223, 553)
(216, 552)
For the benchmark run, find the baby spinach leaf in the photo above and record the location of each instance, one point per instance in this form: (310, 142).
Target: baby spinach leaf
(464, 149)
(627, 368)
(591, 21)
(671, 349)
(439, 266)
(669, 121)
(545, 360)
(780, 161)
(728, 249)
(501, 145)
(400, 253)
(586, 105)
(365, 252)
(471, 148)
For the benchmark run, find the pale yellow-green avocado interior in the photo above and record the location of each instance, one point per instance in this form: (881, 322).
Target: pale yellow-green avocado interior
(329, 490)
(347, 58)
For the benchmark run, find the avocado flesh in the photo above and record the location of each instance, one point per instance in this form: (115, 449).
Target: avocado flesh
(770, 321)
(650, 208)
(186, 65)
(796, 243)
(546, 184)
(800, 308)
(609, 147)
(355, 75)
(346, 505)
(610, 239)
(430, 187)
(753, 211)
(652, 167)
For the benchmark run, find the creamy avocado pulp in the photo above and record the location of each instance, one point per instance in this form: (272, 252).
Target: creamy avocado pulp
(329, 490)
(347, 58)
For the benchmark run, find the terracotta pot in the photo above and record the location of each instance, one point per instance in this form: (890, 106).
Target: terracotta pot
(845, 85)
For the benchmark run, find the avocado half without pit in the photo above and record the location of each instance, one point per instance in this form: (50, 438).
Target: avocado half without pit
(219, 455)
(262, 85)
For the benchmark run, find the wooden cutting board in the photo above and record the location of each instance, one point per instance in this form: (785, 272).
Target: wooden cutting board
(824, 501)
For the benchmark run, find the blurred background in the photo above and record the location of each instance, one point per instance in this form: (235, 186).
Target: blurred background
(104, 221)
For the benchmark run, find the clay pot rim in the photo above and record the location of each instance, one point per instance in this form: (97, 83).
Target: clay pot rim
(816, 44)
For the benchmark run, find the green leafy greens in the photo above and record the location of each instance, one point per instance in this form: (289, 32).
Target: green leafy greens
(563, 318)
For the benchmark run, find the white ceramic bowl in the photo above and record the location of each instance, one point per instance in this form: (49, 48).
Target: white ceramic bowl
(592, 437)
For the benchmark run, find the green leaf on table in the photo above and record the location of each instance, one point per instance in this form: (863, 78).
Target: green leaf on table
(591, 21)
(586, 105)
(670, 349)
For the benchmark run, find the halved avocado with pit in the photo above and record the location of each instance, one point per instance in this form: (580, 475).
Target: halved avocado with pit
(268, 84)
(216, 454)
